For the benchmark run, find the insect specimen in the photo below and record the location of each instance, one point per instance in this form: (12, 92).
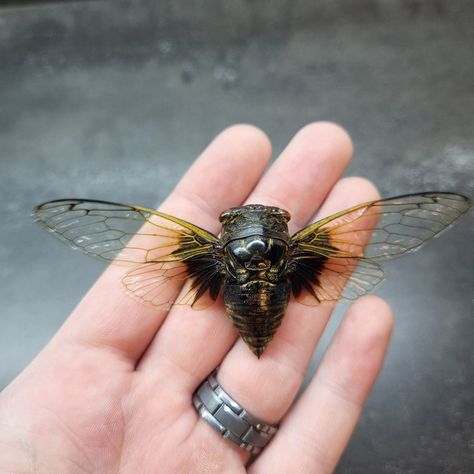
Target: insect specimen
(254, 263)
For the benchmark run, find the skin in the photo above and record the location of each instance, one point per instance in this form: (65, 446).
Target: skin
(111, 392)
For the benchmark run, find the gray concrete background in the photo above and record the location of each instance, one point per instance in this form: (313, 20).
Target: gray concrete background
(113, 100)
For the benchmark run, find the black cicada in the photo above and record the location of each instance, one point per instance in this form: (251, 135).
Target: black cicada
(255, 263)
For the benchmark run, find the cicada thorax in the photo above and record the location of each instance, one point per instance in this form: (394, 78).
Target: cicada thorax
(256, 287)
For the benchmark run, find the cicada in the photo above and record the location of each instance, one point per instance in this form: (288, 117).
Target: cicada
(255, 264)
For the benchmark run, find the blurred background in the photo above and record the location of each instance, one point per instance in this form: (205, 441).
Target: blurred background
(114, 100)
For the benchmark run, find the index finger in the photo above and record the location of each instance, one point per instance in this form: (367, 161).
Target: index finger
(107, 316)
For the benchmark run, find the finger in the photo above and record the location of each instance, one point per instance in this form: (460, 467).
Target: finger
(307, 169)
(107, 316)
(282, 367)
(304, 174)
(315, 432)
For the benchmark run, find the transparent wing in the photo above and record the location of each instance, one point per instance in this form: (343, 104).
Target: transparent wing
(167, 250)
(337, 278)
(327, 252)
(158, 283)
(104, 230)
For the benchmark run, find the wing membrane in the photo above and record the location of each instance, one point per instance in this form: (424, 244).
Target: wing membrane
(383, 229)
(164, 249)
(104, 230)
(345, 278)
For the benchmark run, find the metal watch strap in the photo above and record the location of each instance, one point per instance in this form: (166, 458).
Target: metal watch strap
(229, 418)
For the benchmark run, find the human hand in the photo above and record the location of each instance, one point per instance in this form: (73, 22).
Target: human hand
(112, 390)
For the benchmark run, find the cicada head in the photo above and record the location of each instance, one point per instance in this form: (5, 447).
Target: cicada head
(254, 219)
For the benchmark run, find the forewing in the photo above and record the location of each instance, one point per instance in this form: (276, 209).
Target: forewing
(164, 249)
(327, 252)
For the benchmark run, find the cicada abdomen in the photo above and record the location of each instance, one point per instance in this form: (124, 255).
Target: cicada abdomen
(256, 310)
(256, 287)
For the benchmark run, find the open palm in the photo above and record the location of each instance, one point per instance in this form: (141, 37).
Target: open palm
(112, 390)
